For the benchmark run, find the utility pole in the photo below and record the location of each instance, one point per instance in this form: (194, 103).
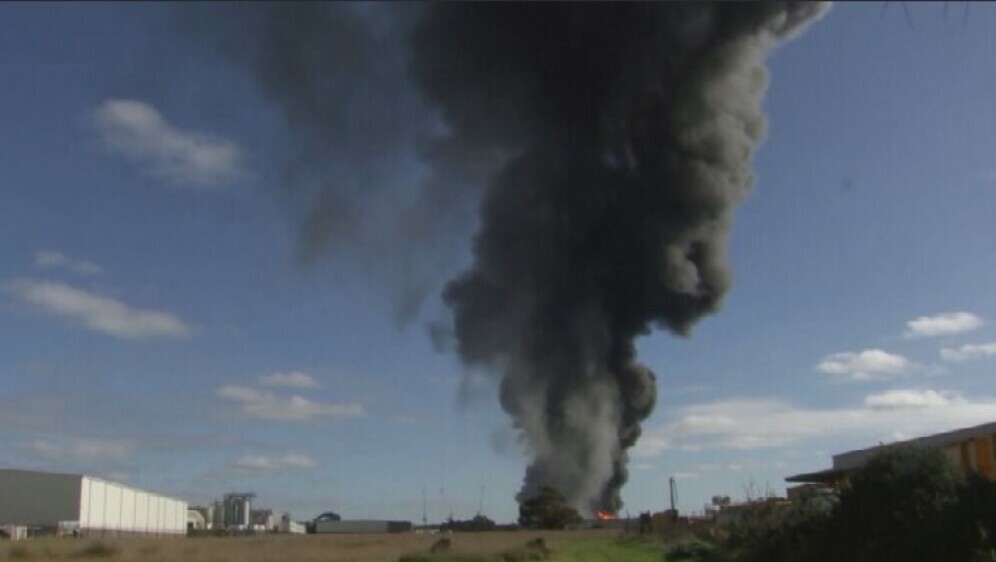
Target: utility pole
(425, 520)
(674, 493)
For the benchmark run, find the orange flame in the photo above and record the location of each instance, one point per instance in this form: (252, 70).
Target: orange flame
(605, 515)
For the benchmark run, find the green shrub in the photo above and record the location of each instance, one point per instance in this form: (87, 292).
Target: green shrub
(906, 504)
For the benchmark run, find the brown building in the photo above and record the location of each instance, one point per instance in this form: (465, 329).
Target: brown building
(972, 448)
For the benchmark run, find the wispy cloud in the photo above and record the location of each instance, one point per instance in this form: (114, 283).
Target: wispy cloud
(902, 399)
(758, 423)
(51, 259)
(138, 131)
(96, 312)
(269, 464)
(80, 451)
(265, 405)
(865, 365)
(945, 324)
(968, 352)
(293, 379)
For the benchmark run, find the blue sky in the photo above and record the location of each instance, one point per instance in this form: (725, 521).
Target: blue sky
(157, 326)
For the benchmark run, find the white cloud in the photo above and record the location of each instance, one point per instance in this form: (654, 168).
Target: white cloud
(266, 405)
(293, 379)
(266, 464)
(79, 451)
(968, 352)
(97, 312)
(865, 365)
(758, 423)
(51, 259)
(138, 131)
(942, 324)
(893, 399)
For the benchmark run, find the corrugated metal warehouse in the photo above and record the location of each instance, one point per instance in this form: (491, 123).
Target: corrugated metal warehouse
(86, 505)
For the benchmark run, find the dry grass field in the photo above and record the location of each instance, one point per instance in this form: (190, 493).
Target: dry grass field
(580, 546)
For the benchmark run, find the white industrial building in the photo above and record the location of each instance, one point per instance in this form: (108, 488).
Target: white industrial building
(88, 506)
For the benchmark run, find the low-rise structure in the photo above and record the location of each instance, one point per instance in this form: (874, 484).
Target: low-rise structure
(362, 526)
(973, 449)
(86, 506)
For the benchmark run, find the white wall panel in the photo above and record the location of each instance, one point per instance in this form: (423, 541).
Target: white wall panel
(85, 503)
(169, 522)
(98, 493)
(112, 507)
(154, 505)
(128, 510)
(142, 511)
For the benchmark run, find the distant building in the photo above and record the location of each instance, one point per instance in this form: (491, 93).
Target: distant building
(362, 526)
(266, 520)
(13, 532)
(75, 504)
(237, 511)
(287, 525)
(207, 513)
(195, 520)
(973, 449)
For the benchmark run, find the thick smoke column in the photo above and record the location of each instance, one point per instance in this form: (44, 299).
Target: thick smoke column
(613, 141)
(632, 127)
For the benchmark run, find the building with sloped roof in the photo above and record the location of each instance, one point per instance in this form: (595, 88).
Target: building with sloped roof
(973, 449)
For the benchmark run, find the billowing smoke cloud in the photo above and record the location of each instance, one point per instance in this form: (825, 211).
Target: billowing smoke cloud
(633, 127)
(613, 142)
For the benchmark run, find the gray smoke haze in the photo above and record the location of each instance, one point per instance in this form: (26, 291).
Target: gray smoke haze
(612, 141)
(367, 170)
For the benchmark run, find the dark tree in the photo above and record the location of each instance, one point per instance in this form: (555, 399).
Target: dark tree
(547, 510)
(477, 524)
(904, 504)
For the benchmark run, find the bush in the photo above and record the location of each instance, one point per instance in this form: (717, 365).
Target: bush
(908, 503)
(904, 504)
(769, 532)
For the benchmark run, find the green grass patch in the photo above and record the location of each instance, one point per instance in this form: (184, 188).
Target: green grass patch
(97, 550)
(18, 552)
(608, 550)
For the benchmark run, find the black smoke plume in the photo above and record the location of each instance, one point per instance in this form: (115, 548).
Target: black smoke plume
(612, 141)
(633, 127)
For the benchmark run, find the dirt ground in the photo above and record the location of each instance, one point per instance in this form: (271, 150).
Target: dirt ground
(286, 548)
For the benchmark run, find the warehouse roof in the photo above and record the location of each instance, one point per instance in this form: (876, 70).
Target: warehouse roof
(851, 460)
